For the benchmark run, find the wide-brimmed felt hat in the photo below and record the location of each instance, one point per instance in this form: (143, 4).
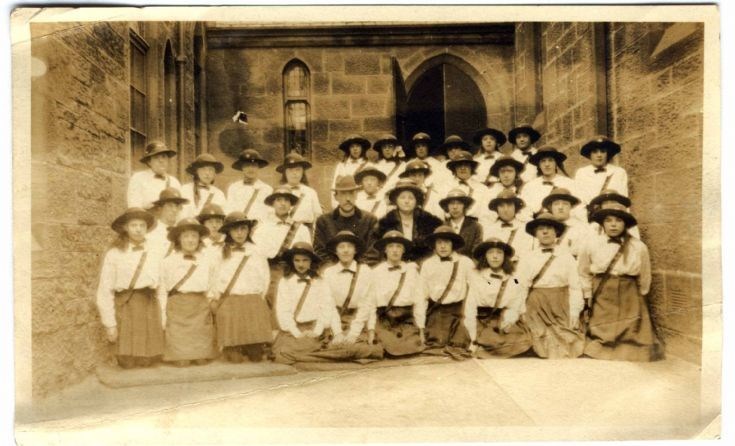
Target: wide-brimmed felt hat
(445, 232)
(600, 142)
(354, 139)
(249, 156)
(303, 248)
(170, 195)
(546, 152)
(505, 160)
(492, 242)
(559, 193)
(415, 165)
(456, 195)
(205, 159)
(545, 218)
(187, 224)
(523, 128)
(617, 211)
(506, 196)
(118, 225)
(610, 195)
(383, 140)
(419, 138)
(495, 133)
(210, 210)
(237, 218)
(393, 237)
(345, 236)
(281, 191)
(346, 183)
(406, 184)
(370, 171)
(455, 141)
(464, 157)
(293, 159)
(156, 148)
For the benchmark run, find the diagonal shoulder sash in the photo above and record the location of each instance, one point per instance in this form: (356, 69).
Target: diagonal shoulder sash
(452, 278)
(607, 181)
(512, 236)
(501, 291)
(251, 201)
(138, 270)
(375, 206)
(231, 284)
(608, 270)
(542, 271)
(183, 280)
(396, 292)
(296, 206)
(209, 199)
(289, 237)
(392, 171)
(428, 193)
(302, 300)
(353, 283)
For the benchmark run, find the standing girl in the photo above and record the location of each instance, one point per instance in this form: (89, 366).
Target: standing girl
(550, 165)
(489, 140)
(213, 217)
(307, 209)
(126, 295)
(202, 191)
(354, 148)
(186, 277)
(238, 293)
(390, 164)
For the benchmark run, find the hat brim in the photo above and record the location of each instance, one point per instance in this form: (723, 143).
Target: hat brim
(337, 239)
(370, 173)
(345, 145)
(176, 200)
(456, 239)
(410, 148)
(444, 202)
(622, 199)
(272, 197)
(533, 224)
(531, 132)
(514, 163)
(290, 253)
(203, 218)
(536, 158)
(282, 168)
(499, 136)
(173, 233)
(553, 197)
(240, 163)
(225, 228)
(192, 168)
(452, 164)
(170, 152)
(383, 242)
(377, 145)
(417, 192)
(495, 202)
(407, 173)
(444, 148)
(119, 223)
(484, 247)
(599, 216)
(610, 147)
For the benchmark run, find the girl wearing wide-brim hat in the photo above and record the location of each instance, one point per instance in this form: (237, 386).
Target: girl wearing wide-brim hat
(145, 185)
(247, 195)
(409, 218)
(389, 161)
(420, 172)
(398, 303)
(494, 304)
(371, 196)
(167, 210)
(606, 199)
(550, 164)
(212, 217)
(510, 224)
(354, 148)
(201, 191)
(126, 295)
(241, 281)
(560, 202)
(293, 175)
(550, 286)
(185, 282)
(463, 168)
(615, 271)
(507, 170)
(489, 141)
(601, 173)
(523, 137)
(455, 204)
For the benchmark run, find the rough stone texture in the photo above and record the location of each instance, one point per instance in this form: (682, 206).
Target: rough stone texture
(80, 164)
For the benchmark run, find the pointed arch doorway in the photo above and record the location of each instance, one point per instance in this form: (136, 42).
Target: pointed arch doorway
(443, 101)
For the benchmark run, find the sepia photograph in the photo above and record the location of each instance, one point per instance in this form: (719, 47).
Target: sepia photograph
(325, 224)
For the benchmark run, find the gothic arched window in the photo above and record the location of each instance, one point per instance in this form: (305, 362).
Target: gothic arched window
(296, 88)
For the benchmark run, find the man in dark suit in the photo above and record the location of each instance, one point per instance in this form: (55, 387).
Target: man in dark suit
(346, 217)
(455, 204)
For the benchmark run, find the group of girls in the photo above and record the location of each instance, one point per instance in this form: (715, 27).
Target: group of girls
(474, 254)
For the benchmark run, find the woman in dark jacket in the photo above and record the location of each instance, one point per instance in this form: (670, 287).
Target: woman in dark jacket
(409, 218)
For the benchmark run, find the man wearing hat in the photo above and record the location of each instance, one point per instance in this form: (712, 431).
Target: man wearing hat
(451, 148)
(549, 284)
(212, 217)
(609, 198)
(463, 167)
(201, 191)
(167, 210)
(560, 203)
(550, 165)
(145, 185)
(346, 217)
(600, 174)
(455, 204)
(489, 140)
(354, 148)
(371, 197)
(419, 171)
(507, 170)
(508, 227)
(446, 275)
(247, 195)
(523, 137)
(389, 163)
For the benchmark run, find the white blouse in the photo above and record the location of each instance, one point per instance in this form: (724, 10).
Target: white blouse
(318, 305)
(339, 282)
(484, 289)
(192, 209)
(413, 292)
(308, 208)
(239, 195)
(597, 253)
(436, 275)
(175, 267)
(253, 279)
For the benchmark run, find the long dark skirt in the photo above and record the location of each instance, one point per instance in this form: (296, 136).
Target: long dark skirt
(620, 326)
(547, 319)
(138, 316)
(287, 349)
(495, 343)
(243, 320)
(189, 328)
(396, 331)
(445, 330)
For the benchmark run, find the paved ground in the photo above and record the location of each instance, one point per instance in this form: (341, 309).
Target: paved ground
(480, 400)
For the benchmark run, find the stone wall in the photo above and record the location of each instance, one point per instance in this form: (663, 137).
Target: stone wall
(80, 165)
(352, 91)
